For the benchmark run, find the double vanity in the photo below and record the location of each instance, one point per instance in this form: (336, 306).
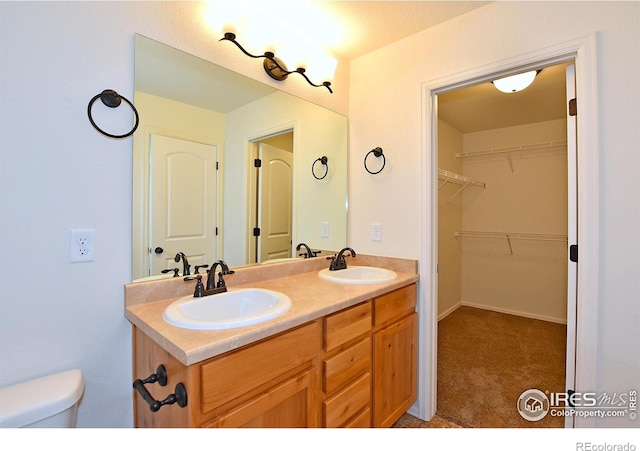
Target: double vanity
(288, 345)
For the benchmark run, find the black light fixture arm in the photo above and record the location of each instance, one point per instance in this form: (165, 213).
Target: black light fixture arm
(232, 37)
(274, 67)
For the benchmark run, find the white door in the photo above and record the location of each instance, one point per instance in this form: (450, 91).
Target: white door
(275, 193)
(572, 235)
(182, 205)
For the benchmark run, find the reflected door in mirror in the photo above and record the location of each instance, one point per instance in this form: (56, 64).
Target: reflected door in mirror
(183, 184)
(275, 182)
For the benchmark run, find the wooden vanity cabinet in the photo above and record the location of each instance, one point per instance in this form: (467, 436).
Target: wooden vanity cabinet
(395, 355)
(353, 368)
(271, 383)
(347, 367)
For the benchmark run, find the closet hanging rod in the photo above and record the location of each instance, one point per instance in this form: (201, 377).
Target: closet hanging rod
(448, 176)
(513, 236)
(500, 150)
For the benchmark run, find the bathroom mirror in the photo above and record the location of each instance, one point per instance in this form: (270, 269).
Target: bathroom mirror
(196, 187)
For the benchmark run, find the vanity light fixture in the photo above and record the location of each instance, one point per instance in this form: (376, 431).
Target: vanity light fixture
(515, 83)
(273, 66)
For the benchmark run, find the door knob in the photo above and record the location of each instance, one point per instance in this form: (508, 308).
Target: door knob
(158, 250)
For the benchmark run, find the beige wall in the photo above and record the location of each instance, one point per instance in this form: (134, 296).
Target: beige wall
(54, 60)
(526, 192)
(387, 108)
(530, 198)
(318, 131)
(449, 222)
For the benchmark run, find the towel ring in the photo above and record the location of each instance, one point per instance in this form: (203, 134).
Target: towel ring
(112, 99)
(324, 161)
(377, 152)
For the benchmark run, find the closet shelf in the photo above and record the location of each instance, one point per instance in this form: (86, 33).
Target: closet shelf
(452, 177)
(500, 150)
(513, 236)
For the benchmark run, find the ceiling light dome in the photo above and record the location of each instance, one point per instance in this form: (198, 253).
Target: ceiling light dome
(515, 83)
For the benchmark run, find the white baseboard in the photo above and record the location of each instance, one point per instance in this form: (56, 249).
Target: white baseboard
(449, 311)
(512, 312)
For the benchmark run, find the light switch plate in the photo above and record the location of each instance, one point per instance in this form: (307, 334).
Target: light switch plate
(376, 232)
(324, 230)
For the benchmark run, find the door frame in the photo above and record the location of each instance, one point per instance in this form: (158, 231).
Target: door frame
(582, 52)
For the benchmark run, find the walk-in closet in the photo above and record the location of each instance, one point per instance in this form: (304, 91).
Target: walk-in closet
(502, 249)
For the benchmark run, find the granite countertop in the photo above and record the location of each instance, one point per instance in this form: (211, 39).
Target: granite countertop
(311, 298)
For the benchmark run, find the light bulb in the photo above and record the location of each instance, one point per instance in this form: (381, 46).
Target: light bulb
(515, 83)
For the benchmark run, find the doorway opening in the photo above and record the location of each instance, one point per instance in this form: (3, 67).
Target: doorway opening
(502, 230)
(270, 232)
(584, 360)
(484, 217)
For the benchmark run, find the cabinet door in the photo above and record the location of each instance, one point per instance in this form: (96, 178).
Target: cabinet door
(395, 365)
(286, 405)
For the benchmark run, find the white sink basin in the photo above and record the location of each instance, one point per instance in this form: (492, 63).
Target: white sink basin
(235, 308)
(358, 275)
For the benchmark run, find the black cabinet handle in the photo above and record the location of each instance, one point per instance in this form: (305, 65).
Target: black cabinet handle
(180, 395)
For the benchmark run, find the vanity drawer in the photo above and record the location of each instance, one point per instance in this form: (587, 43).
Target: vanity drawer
(233, 374)
(345, 404)
(343, 367)
(394, 304)
(346, 325)
(362, 420)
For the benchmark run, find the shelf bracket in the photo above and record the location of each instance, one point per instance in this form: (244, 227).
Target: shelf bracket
(459, 191)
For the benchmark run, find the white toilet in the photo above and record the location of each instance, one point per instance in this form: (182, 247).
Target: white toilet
(46, 402)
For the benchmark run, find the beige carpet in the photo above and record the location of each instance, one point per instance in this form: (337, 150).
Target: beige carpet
(409, 421)
(487, 359)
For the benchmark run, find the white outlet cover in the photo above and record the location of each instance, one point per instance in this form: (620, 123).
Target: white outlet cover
(81, 245)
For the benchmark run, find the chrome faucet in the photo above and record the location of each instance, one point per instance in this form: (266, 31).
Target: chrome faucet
(338, 262)
(186, 267)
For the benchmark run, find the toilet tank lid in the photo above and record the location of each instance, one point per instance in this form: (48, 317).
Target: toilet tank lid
(27, 402)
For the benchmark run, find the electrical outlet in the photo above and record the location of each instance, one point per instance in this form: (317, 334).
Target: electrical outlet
(324, 230)
(81, 245)
(376, 232)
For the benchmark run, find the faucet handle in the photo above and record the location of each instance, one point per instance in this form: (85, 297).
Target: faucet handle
(198, 268)
(199, 289)
(224, 272)
(175, 271)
